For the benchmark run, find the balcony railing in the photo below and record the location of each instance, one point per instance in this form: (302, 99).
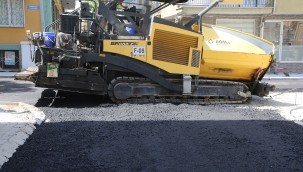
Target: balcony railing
(234, 3)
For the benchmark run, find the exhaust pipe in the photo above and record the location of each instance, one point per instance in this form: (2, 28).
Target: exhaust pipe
(263, 89)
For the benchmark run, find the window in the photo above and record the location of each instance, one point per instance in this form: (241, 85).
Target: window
(9, 59)
(288, 38)
(271, 32)
(11, 13)
(292, 46)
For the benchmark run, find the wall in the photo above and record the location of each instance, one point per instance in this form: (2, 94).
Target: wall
(211, 19)
(231, 2)
(27, 52)
(13, 35)
(224, 11)
(46, 13)
(288, 7)
(169, 12)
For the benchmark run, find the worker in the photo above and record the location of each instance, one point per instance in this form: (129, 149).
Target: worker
(114, 5)
(117, 4)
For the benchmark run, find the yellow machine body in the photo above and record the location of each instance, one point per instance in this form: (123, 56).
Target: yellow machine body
(233, 55)
(170, 48)
(223, 53)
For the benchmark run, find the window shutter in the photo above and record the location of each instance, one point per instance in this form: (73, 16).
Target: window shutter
(12, 13)
(4, 20)
(17, 16)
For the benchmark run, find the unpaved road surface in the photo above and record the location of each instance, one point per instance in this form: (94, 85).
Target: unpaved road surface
(87, 133)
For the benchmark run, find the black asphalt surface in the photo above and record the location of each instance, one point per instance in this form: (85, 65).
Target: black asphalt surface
(88, 133)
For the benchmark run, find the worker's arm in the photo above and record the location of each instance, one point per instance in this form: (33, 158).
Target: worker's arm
(123, 6)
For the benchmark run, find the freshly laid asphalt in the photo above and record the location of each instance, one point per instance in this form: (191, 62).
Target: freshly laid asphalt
(88, 133)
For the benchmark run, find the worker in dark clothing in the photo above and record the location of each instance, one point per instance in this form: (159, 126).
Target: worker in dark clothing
(114, 5)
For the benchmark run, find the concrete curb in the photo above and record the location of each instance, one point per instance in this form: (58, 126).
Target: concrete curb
(14, 134)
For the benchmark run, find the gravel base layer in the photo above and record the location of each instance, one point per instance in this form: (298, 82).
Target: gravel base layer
(87, 133)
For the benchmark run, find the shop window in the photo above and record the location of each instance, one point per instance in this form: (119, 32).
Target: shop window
(292, 49)
(288, 38)
(272, 34)
(9, 59)
(292, 33)
(11, 13)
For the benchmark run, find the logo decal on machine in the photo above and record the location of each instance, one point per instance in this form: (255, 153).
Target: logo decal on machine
(218, 42)
(123, 43)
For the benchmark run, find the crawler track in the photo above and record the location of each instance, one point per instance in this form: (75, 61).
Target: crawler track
(177, 99)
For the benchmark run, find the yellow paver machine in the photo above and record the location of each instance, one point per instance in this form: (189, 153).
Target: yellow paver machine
(134, 57)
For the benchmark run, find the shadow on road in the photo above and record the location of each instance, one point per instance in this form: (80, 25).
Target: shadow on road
(81, 100)
(162, 146)
(71, 100)
(8, 86)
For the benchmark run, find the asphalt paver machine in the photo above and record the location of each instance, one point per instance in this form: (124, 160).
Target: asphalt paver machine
(135, 57)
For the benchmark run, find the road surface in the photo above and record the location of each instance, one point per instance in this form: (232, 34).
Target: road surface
(87, 133)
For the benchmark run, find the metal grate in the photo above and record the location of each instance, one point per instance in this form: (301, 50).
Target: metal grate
(195, 58)
(173, 47)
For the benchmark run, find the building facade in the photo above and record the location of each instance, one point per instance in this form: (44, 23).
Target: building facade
(279, 21)
(17, 17)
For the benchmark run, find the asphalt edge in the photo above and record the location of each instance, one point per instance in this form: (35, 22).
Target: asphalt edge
(9, 148)
(287, 114)
(39, 115)
(7, 76)
(299, 123)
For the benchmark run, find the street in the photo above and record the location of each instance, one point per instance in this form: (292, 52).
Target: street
(89, 133)
(286, 84)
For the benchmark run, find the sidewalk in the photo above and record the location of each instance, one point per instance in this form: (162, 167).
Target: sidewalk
(17, 122)
(281, 76)
(7, 74)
